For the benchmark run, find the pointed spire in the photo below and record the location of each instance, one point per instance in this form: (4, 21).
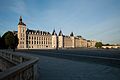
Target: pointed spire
(20, 21)
(60, 33)
(54, 33)
(71, 34)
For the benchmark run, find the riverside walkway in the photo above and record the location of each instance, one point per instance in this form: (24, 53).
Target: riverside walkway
(55, 65)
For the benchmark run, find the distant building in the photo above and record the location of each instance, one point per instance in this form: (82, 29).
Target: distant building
(35, 39)
(91, 43)
(111, 46)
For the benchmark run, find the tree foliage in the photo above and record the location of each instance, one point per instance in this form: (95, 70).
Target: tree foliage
(10, 40)
(98, 45)
(16, 41)
(1, 42)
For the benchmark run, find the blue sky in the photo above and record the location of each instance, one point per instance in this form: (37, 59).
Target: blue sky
(93, 19)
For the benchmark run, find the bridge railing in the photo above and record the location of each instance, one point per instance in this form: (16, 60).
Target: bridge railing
(25, 66)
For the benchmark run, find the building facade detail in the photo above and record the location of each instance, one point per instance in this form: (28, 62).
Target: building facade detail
(54, 39)
(36, 39)
(60, 40)
(21, 34)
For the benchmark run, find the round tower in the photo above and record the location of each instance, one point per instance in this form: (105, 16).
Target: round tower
(60, 40)
(54, 39)
(73, 39)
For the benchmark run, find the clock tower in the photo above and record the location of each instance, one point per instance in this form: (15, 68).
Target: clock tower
(21, 34)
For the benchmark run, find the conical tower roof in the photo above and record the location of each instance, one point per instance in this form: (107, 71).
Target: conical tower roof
(60, 33)
(54, 33)
(71, 34)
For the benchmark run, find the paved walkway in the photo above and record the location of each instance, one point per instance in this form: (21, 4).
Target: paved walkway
(50, 68)
(57, 68)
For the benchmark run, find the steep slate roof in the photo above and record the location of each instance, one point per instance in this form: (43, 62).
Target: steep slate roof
(54, 33)
(38, 32)
(60, 33)
(71, 34)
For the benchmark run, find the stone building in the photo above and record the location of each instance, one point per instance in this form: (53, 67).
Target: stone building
(67, 42)
(36, 39)
(33, 39)
(22, 34)
(60, 40)
(54, 39)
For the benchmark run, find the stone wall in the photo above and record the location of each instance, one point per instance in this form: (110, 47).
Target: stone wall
(25, 66)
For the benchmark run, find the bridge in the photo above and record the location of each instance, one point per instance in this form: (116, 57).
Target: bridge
(15, 66)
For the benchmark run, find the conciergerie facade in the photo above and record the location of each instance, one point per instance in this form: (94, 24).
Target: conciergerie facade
(35, 39)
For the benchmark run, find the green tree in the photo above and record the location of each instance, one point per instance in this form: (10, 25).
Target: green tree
(10, 40)
(1, 42)
(16, 41)
(98, 45)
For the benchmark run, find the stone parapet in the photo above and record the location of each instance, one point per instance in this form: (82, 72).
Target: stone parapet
(25, 66)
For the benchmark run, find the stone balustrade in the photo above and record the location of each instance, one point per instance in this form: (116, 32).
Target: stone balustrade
(25, 67)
